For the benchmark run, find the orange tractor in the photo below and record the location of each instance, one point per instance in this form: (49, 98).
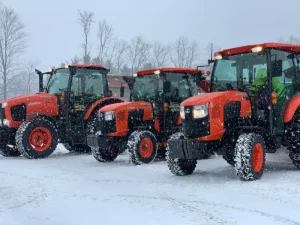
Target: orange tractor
(65, 110)
(144, 124)
(252, 109)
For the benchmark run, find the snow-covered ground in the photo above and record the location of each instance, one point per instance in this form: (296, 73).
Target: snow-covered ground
(68, 189)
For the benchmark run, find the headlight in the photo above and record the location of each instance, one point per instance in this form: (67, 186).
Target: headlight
(200, 111)
(182, 114)
(4, 104)
(6, 122)
(109, 115)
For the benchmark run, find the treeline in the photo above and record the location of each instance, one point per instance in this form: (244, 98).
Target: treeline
(125, 57)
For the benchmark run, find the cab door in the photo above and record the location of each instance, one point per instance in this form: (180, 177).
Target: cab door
(285, 86)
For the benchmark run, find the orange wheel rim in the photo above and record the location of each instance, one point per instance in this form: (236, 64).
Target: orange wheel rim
(40, 139)
(257, 157)
(146, 148)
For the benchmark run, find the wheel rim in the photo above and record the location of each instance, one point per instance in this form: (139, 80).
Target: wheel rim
(40, 139)
(257, 157)
(146, 148)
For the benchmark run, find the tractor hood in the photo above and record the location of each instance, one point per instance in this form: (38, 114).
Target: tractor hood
(203, 99)
(213, 97)
(35, 99)
(126, 106)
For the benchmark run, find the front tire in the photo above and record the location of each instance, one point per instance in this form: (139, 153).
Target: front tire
(142, 147)
(105, 155)
(36, 138)
(179, 167)
(250, 156)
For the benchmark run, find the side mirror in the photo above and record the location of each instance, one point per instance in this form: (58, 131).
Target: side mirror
(110, 93)
(122, 90)
(199, 77)
(276, 68)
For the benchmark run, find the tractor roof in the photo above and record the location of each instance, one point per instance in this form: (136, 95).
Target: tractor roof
(175, 70)
(83, 66)
(248, 48)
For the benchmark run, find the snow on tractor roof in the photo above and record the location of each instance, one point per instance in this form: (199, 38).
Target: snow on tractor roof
(160, 70)
(251, 48)
(82, 66)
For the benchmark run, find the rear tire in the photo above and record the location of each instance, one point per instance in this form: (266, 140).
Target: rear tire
(142, 147)
(78, 148)
(82, 148)
(8, 145)
(179, 167)
(293, 135)
(250, 156)
(36, 138)
(7, 151)
(229, 156)
(105, 155)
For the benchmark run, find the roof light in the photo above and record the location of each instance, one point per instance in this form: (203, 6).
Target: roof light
(66, 66)
(157, 72)
(217, 57)
(257, 49)
(135, 74)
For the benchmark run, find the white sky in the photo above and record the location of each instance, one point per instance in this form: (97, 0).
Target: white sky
(55, 36)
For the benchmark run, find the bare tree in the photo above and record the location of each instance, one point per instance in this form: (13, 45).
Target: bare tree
(211, 48)
(105, 35)
(192, 54)
(184, 53)
(291, 40)
(31, 77)
(85, 21)
(180, 51)
(138, 53)
(121, 55)
(109, 59)
(74, 60)
(12, 44)
(160, 54)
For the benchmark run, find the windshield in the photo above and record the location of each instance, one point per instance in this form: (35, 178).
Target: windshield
(145, 88)
(237, 71)
(58, 82)
(183, 86)
(151, 87)
(84, 82)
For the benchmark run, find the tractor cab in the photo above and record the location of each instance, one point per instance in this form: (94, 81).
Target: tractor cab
(165, 89)
(267, 75)
(77, 88)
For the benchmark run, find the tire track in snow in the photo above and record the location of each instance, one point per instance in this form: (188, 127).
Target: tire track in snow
(215, 205)
(181, 208)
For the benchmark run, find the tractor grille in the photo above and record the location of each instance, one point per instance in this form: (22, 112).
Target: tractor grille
(104, 126)
(194, 128)
(18, 112)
